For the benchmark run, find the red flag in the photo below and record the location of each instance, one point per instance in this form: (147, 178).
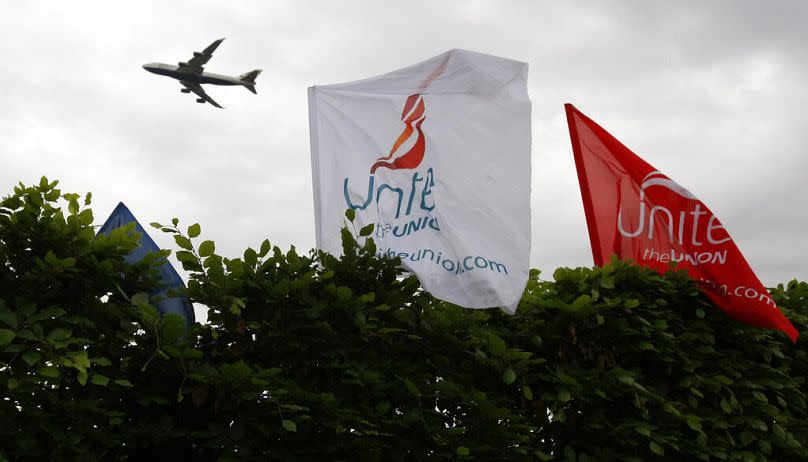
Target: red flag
(638, 213)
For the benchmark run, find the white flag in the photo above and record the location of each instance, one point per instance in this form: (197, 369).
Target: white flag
(437, 157)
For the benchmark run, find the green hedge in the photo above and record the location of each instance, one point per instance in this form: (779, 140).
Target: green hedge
(311, 357)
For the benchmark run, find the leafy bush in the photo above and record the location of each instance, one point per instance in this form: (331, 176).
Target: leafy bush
(312, 357)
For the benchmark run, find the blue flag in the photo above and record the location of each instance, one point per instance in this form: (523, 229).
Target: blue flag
(169, 278)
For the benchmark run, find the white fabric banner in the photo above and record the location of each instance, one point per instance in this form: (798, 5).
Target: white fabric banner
(437, 157)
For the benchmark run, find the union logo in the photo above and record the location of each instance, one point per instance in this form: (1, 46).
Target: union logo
(407, 203)
(674, 217)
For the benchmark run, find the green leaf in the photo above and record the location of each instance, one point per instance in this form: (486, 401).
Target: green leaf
(348, 242)
(47, 313)
(367, 231)
(183, 242)
(726, 407)
(26, 307)
(265, 246)
(250, 257)
(582, 300)
(50, 372)
(693, 423)
(206, 248)
(73, 204)
(124, 383)
(544, 457)
(746, 437)
(350, 214)
(344, 293)
(31, 357)
(86, 217)
(758, 424)
(81, 360)
(289, 425)
(462, 451)
(765, 447)
(368, 297)
(194, 230)
(6, 336)
(410, 386)
(527, 392)
(657, 448)
(631, 303)
(212, 261)
(140, 299)
(59, 334)
(700, 313)
(509, 376)
(8, 317)
(98, 379)
(569, 454)
(496, 345)
(100, 361)
(188, 260)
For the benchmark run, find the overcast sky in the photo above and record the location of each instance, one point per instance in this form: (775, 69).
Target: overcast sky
(713, 94)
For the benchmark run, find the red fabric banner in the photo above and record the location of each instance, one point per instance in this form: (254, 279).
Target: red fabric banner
(635, 212)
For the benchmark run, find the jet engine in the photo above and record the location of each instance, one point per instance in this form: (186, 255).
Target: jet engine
(185, 90)
(200, 100)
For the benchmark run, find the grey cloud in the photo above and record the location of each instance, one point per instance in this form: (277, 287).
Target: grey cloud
(711, 93)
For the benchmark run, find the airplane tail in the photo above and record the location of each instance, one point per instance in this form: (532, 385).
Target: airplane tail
(249, 79)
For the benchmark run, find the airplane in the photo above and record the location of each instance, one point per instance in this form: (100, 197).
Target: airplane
(192, 74)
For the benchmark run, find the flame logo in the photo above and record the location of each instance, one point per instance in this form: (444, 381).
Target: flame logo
(413, 116)
(410, 146)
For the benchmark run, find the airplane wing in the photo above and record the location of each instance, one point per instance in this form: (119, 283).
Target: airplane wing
(197, 63)
(196, 88)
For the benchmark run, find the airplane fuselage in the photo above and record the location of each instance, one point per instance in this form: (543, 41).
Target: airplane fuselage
(192, 75)
(187, 76)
